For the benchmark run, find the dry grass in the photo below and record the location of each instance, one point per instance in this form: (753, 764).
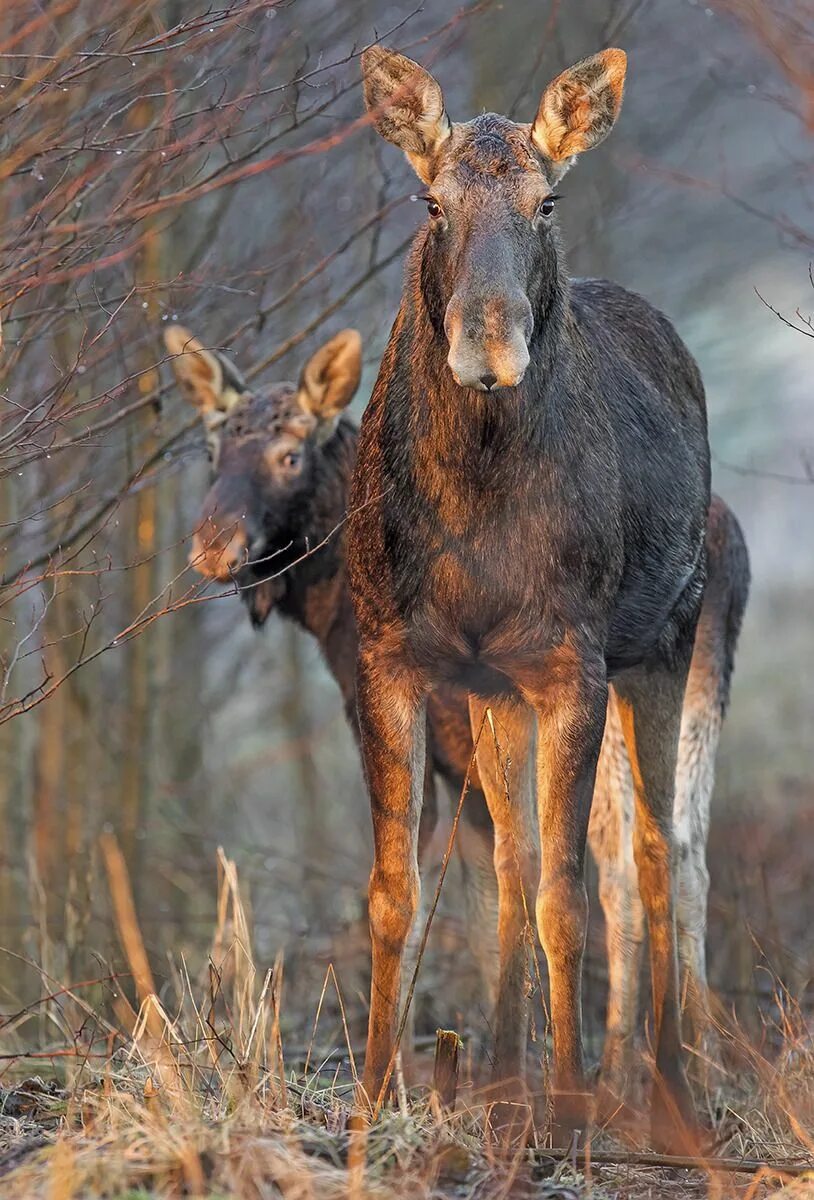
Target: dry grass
(195, 1098)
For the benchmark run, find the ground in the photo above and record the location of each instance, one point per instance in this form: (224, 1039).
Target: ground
(121, 1136)
(203, 1094)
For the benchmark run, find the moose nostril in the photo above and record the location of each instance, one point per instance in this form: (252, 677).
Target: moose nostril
(215, 557)
(488, 380)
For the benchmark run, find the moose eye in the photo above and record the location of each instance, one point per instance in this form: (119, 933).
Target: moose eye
(291, 460)
(547, 207)
(434, 208)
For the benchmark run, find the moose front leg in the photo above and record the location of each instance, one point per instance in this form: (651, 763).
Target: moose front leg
(570, 699)
(392, 725)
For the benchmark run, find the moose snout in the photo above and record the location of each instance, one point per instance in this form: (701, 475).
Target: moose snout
(488, 340)
(218, 552)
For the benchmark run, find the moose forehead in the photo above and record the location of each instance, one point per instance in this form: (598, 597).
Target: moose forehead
(267, 415)
(492, 150)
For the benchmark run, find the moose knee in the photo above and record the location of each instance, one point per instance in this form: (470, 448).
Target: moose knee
(693, 889)
(393, 900)
(656, 888)
(654, 854)
(562, 917)
(619, 897)
(693, 875)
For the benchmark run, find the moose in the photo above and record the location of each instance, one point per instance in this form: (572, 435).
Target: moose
(282, 458)
(527, 522)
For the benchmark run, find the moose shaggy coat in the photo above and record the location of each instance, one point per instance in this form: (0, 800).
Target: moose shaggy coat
(527, 522)
(272, 521)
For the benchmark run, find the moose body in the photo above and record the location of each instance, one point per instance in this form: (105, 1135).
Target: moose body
(480, 543)
(275, 526)
(527, 522)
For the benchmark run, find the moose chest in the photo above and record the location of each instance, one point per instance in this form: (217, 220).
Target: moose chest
(489, 572)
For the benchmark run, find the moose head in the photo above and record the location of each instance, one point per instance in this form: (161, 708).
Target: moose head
(268, 449)
(491, 267)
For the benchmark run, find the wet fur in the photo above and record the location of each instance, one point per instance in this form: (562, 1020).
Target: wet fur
(314, 593)
(530, 545)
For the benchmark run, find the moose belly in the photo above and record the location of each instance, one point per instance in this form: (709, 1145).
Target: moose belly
(458, 655)
(474, 631)
(653, 615)
(473, 676)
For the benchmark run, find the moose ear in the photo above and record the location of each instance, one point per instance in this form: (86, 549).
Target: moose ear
(579, 108)
(206, 378)
(407, 107)
(330, 378)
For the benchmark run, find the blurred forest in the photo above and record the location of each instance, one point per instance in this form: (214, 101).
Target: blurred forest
(164, 160)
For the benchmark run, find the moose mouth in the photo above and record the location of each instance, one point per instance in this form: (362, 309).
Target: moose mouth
(489, 382)
(260, 596)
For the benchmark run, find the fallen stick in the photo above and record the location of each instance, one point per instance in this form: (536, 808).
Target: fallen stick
(674, 1162)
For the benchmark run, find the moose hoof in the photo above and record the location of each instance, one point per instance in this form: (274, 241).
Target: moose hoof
(674, 1127)
(706, 1064)
(511, 1124)
(571, 1116)
(510, 1117)
(613, 1109)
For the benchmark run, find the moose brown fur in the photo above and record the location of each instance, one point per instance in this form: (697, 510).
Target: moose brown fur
(263, 512)
(527, 522)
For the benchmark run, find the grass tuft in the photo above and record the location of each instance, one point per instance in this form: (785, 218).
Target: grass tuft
(190, 1094)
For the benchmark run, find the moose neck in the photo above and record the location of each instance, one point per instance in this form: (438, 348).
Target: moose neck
(316, 593)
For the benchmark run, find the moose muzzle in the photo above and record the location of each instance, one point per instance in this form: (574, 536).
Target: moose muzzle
(488, 339)
(218, 552)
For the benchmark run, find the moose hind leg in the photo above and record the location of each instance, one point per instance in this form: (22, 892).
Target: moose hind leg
(505, 765)
(476, 848)
(650, 701)
(707, 695)
(428, 869)
(570, 700)
(700, 731)
(610, 835)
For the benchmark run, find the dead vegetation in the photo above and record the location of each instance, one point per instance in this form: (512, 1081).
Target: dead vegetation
(192, 1093)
